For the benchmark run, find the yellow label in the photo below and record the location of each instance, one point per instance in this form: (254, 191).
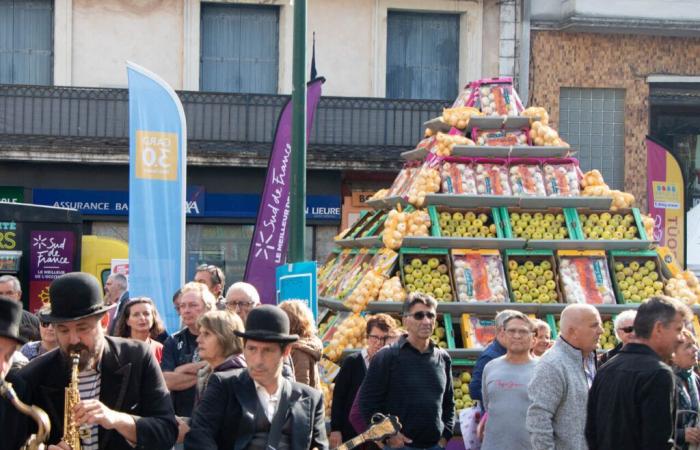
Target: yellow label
(466, 335)
(581, 252)
(156, 155)
(669, 260)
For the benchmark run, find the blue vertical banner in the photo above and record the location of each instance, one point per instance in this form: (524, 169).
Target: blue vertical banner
(157, 180)
(297, 281)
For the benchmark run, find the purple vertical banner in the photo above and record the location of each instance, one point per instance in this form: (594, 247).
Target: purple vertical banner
(51, 255)
(268, 248)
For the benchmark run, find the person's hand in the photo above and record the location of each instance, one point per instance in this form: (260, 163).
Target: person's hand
(335, 439)
(60, 446)
(480, 430)
(398, 441)
(94, 412)
(692, 435)
(182, 429)
(442, 442)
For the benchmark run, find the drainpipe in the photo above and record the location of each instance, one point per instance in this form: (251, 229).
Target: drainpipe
(524, 75)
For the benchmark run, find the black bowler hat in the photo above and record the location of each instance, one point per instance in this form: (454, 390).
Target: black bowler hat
(10, 317)
(267, 323)
(74, 296)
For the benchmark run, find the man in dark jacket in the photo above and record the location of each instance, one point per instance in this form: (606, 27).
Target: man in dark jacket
(258, 408)
(631, 403)
(11, 288)
(124, 403)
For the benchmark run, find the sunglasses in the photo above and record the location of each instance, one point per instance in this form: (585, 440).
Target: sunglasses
(628, 329)
(420, 315)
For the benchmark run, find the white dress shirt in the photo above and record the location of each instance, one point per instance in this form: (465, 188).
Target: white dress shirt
(270, 403)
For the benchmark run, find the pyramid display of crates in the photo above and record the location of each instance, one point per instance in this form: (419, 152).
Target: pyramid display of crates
(491, 211)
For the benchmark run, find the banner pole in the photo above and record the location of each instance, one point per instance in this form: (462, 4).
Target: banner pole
(298, 174)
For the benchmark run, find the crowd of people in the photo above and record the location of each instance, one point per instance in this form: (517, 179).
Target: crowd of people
(240, 374)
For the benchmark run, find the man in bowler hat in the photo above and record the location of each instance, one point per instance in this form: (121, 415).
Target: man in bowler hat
(124, 402)
(257, 408)
(11, 421)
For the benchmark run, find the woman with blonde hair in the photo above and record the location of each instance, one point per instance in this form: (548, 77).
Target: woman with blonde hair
(218, 346)
(140, 321)
(306, 352)
(685, 358)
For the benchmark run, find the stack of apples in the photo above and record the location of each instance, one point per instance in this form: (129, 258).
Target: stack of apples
(429, 277)
(400, 224)
(460, 384)
(538, 225)
(638, 280)
(458, 117)
(607, 340)
(427, 182)
(605, 225)
(467, 224)
(532, 282)
(439, 336)
(446, 142)
(684, 286)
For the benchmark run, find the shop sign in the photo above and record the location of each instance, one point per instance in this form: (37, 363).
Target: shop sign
(8, 235)
(11, 194)
(359, 198)
(51, 255)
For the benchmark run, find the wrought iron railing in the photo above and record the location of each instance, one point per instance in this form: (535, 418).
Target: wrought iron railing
(74, 112)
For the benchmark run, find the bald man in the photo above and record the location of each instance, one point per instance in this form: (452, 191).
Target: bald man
(559, 388)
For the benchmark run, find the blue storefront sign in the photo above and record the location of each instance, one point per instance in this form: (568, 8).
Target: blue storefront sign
(199, 203)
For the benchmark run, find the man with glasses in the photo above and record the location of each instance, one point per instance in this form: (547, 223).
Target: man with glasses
(12, 289)
(494, 350)
(412, 379)
(241, 298)
(351, 374)
(213, 277)
(624, 330)
(504, 388)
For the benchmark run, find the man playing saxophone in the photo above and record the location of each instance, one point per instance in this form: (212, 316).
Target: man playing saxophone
(123, 402)
(10, 418)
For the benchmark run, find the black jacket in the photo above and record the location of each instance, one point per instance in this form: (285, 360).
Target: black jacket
(29, 326)
(607, 356)
(10, 418)
(631, 404)
(347, 383)
(131, 382)
(224, 419)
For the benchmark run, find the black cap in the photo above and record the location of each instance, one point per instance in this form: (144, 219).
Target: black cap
(10, 318)
(74, 296)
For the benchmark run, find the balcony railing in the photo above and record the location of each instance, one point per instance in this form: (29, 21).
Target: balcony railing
(244, 119)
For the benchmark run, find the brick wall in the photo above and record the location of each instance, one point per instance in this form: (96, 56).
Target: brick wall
(589, 60)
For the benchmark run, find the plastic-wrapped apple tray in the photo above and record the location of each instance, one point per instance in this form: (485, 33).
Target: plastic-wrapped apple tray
(600, 270)
(535, 256)
(406, 254)
(627, 257)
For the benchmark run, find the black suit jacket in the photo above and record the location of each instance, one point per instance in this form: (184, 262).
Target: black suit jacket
(131, 383)
(224, 419)
(347, 383)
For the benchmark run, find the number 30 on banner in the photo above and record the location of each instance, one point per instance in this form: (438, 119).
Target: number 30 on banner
(156, 155)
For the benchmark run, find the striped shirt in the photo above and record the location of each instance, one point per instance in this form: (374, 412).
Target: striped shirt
(89, 382)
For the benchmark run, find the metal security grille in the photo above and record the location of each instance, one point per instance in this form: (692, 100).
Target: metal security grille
(26, 41)
(593, 122)
(422, 55)
(239, 48)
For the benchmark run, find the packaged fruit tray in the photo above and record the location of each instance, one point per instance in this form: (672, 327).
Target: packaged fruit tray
(427, 271)
(465, 228)
(479, 276)
(636, 275)
(585, 278)
(330, 269)
(532, 276)
(477, 332)
(609, 230)
(349, 274)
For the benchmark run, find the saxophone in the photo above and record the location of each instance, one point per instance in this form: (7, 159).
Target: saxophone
(71, 432)
(35, 441)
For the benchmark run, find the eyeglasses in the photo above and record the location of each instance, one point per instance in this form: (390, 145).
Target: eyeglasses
(420, 315)
(380, 339)
(518, 332)
(240, 304)
(627, 329)
(44, 324)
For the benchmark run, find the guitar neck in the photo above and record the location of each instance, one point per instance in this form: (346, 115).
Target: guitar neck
(352, 443)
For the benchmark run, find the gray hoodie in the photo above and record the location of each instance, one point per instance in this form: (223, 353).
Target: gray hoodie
(558, 392)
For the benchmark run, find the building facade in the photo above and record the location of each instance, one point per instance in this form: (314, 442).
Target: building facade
(389, 65)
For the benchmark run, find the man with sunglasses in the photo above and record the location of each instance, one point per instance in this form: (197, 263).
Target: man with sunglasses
(412, 379)
(624, 330)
